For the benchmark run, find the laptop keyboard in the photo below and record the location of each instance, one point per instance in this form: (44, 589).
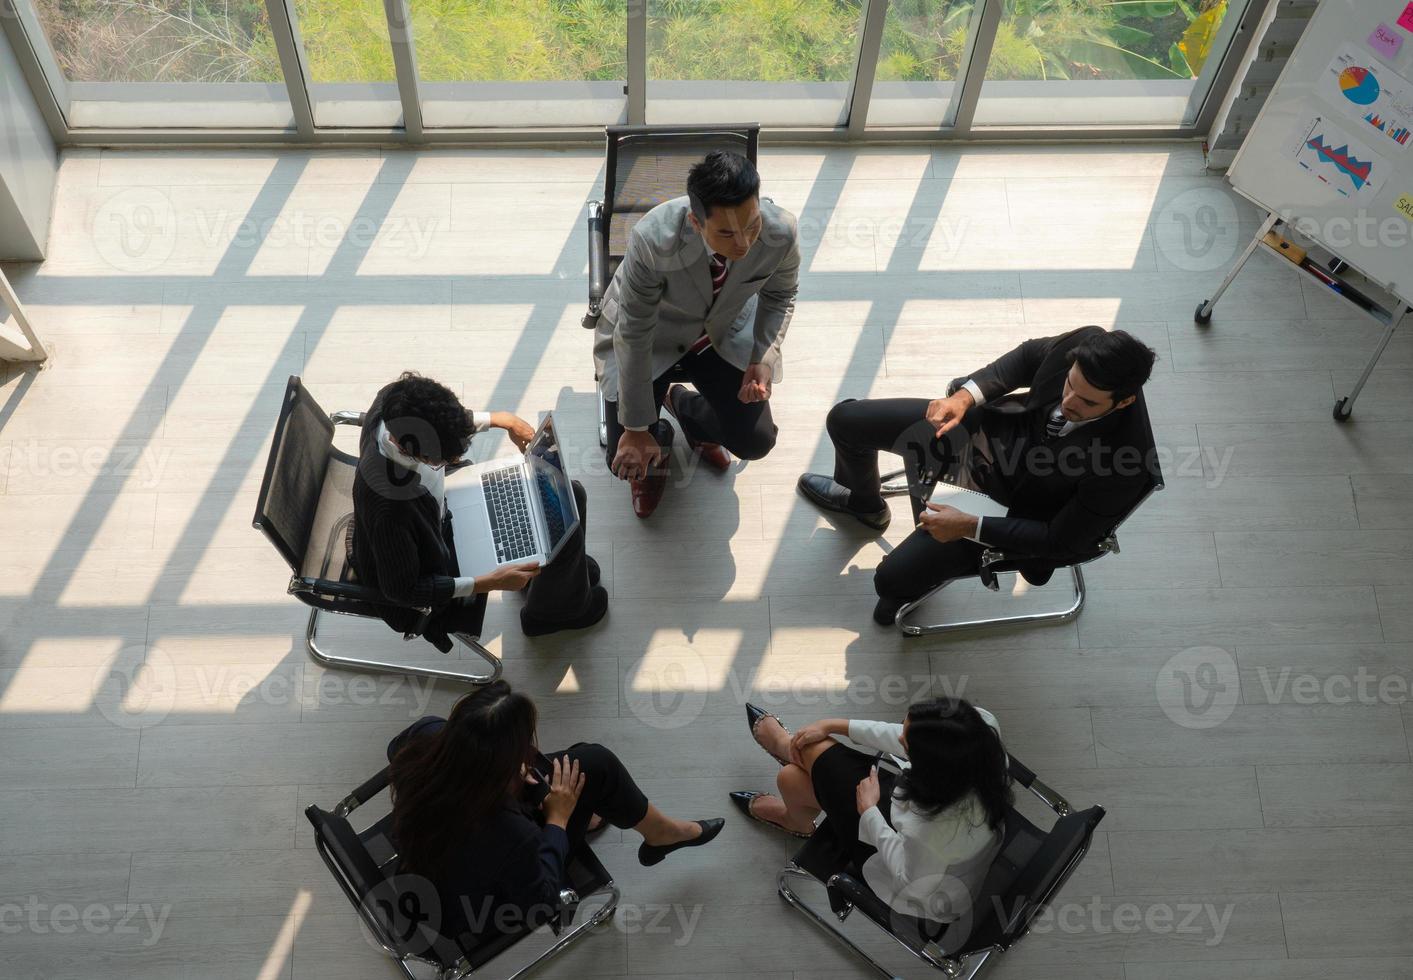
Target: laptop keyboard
(511, 524)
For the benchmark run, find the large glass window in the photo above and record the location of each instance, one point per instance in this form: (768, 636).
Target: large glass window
(557, 64)
(166, 62)
(1104, 62)
(518, 63)
(920, 61)
(352, 78)
(778, 62)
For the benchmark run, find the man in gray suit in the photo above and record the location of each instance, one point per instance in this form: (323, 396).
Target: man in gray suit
(704, 294)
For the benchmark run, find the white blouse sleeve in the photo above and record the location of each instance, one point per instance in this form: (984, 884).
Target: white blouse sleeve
(879, 735)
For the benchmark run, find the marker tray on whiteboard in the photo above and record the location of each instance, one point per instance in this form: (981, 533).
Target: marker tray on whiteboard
(1348, 285)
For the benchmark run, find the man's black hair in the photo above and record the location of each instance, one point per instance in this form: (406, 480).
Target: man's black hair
(1115, 361)
(426, 418)
(723, 179)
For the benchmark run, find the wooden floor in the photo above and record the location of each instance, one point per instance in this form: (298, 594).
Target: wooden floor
(1234, 691)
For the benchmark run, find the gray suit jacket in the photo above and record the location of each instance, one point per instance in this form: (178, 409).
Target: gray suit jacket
(660, 301)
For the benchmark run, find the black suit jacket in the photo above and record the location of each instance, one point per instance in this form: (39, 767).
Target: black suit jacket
(402, 544)
(1064, 495)
(502, 875)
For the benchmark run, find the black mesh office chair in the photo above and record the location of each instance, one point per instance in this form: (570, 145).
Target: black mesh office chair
(1031, 868)
(995, 561)
(306, 510)
(401, 912)
(644, 166)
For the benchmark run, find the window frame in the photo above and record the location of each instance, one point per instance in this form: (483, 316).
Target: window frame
(55, 94)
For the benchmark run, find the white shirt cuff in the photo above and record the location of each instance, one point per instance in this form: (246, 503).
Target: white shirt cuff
(975, 390)
(977, 536)
(463, 586)
(481, 421)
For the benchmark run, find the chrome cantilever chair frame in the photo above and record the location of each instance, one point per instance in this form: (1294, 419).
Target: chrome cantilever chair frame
(961, 965)
(895, 485)
(569, 901)
(338, 661)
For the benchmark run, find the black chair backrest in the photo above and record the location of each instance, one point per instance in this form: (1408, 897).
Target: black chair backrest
(1027, 873)
(294, 474)
(647, 165)
(1140, 429)
(401, 911)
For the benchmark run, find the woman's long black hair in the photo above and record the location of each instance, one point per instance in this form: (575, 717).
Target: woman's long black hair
(954, 752)
(449, 782)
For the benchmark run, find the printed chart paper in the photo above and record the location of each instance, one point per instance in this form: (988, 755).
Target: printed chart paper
(1329, 154)
(1366, 89)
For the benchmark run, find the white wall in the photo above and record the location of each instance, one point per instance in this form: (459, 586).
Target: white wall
(28, 163)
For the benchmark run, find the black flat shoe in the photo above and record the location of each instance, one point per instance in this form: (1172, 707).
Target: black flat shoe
(598, 608)
(825, 494)
(743, 799)
(650, 854)
(754, 716)
(885, 613)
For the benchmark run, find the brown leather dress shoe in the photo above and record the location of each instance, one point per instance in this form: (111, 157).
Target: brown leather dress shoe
(713, 454)
(647, 493)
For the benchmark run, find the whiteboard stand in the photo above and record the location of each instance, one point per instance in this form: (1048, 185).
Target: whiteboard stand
(9, 350)
(1390, 317)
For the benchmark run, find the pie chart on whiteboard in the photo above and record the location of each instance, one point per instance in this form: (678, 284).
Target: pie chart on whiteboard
(1359, 86)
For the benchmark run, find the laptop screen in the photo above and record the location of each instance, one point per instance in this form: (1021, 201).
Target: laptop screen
(552, 484)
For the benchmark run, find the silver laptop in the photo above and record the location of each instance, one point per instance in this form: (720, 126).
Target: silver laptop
(513, 510)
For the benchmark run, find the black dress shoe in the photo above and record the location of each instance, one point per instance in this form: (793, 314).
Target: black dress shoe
(754, 716)
(825, 494)
(743, 799)
(598, 608)
(650, 854)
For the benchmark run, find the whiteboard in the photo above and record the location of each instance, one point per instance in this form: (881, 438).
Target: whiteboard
(1332, 150)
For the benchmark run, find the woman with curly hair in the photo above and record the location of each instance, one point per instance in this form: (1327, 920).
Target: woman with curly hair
(402, 543)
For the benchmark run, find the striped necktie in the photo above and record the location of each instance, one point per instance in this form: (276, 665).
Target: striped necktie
(718, 273)
(1054, 425)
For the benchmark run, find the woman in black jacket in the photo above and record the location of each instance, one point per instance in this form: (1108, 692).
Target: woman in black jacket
(490, 822)
(402, 543)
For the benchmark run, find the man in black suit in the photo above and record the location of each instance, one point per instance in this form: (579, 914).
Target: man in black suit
(1067, 459)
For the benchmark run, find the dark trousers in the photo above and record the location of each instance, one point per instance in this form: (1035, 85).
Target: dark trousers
(609, 791)
(862, 429)
(561, 590)
(713, 413)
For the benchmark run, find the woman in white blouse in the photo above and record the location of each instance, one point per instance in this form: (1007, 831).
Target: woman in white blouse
(923, 839)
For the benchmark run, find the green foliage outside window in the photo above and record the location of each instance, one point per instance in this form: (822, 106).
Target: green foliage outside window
(519, 40)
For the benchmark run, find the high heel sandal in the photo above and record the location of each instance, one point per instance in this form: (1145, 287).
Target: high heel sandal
(754, 716)
(743, 799)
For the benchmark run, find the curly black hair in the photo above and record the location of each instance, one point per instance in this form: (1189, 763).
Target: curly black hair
(426, 418)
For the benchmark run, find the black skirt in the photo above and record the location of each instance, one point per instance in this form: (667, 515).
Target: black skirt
(836, 776)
